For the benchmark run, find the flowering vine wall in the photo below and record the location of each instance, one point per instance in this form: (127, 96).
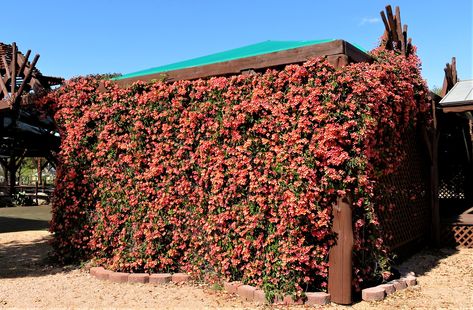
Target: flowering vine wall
(232, 176)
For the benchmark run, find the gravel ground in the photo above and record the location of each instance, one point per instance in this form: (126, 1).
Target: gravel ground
(27, 280)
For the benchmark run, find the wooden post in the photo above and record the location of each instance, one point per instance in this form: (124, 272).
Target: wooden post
(435, 190)
(36, 192)
(39, 170)
(340, 256)
(12, 173)
(434, 178)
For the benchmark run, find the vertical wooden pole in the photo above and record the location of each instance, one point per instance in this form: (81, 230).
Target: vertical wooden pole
(13, 69)
(36, 192)
(434, 179)
(12, 173)
(435, 192)
(340, 256)
(39, 170)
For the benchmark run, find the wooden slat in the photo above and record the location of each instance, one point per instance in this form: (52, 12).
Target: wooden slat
(25, 81)
(4, 88)
(399, 30)
(454, 71)
(340, 255)
(24, 61)
(385, 21)
(5, 64)
(355, 55)
(338, 61)
(5, 104)
(404, 38)
(292, 56)
(392, 24)
(13, 69)
(458, 109)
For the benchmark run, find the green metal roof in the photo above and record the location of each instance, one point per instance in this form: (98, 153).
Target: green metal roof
(261, 48)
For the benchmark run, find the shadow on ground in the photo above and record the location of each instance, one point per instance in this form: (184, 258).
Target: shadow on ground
(13, 224)
(19, 259)
(24, 243)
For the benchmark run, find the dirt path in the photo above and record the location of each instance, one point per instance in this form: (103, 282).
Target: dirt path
(28, 281)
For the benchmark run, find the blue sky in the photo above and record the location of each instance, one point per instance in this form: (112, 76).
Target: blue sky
(92, 36)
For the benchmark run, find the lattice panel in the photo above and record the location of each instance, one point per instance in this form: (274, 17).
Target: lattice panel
(457, 235)
(453, 187)
(405, 195)
(453, 157)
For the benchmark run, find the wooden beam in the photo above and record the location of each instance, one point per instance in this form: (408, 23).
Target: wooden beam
(13, 64)
(397, 19)
(458, 109)
(16, 101)
(355, 54)
(340, 255)
(24, 61)
(392, 24)
(5, 64)
(454, 71)
(4, 88)
(385, 21)
(338, 61)
(292, 56)
(5, 104)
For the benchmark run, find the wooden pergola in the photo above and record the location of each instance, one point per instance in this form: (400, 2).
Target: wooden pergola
(338, 52)
(24, 130)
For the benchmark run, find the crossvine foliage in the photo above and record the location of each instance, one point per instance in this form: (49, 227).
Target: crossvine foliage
(232, 176)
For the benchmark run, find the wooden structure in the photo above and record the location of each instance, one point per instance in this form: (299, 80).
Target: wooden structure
(24, 131)
(410, 223)
(337, 52)
(395, 34)
(455, 194)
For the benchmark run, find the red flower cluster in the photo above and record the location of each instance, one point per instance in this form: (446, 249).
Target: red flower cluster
(233, 176)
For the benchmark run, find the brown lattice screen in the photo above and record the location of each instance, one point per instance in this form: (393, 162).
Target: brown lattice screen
(457, 235)
(453, 156)
(406, 196)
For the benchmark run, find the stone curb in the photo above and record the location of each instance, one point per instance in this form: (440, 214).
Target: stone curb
(317, 298)
(254, 294)
(251, 293)
(180, 277)
(379, 292)
(138, 278)
(160, 278)
(124, 277)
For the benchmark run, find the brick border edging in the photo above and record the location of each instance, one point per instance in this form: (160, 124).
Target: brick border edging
(124, 277)
(254, 294)
(377, 293)
(251, 293)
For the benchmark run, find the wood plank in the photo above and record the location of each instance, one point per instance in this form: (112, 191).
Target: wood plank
(4, 88)
(356, 55)
(340, 255)
(24, 61)
(392, 24)
(292, 56)
(454, 71)
(13, 69)
(458, 109)
(7, 69)
(338, 61)
(25, 81)
(385, 21)
(404, 38)
(399, 30)
(5, 104)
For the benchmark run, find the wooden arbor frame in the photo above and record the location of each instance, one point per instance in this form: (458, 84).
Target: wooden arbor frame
(338, 53)
(23, 131)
